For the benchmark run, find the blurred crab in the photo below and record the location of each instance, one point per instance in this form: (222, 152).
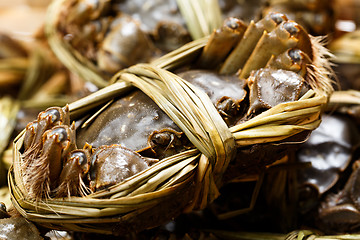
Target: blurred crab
(117, 34)
(316, 16)
(114, 35)
(132, 132)
(340, 212)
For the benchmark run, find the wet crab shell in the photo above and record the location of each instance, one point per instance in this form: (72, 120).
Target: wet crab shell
(123, 163)
(266, 83)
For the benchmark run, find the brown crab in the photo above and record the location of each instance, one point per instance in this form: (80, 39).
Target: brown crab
(132, 132)
(107, 159)
(126, 138)
(118, 34)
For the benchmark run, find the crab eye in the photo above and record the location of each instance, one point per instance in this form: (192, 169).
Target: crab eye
(161, 138)
(60, 132)
(295, 55)
(291, 27)
(53, 113)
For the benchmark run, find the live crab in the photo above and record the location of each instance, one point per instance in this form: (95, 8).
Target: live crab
(132, 133)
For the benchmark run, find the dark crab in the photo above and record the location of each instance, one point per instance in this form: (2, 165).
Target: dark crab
(340, 212)
(132, 132)
(329, 153)
(118, 34)
(126, 138)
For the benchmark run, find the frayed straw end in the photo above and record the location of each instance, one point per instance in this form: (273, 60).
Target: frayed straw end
(320, 73)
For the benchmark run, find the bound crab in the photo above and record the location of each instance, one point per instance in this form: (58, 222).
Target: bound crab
(135, 133)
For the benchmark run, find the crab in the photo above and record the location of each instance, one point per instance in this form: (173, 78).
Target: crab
(126, 138)
(63, 158)
(340, 212)
(329, 153)
(116, 35)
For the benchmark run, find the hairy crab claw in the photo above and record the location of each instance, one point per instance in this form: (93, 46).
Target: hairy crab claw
(33, 139)
(42, 173)
(47, 119)
(282, 80)
(269, 87)
(73, 177)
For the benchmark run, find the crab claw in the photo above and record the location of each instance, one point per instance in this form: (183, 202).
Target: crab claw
(342, 211)
(71, 180)
(293, 60)
(287, 35)
(47, 119)
(42, 173)
(58, 142)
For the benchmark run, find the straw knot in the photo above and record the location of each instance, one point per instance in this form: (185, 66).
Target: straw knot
(192, 110)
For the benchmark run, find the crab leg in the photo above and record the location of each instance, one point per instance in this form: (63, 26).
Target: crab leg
(42, 173)
(221, 42)
(293, 60)
(287, 35)
(239, 55)
(34, 133)
(47, 119)
(71, 181)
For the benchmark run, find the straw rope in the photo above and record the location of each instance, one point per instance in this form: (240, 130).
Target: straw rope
(70, 57)
(196, 116)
